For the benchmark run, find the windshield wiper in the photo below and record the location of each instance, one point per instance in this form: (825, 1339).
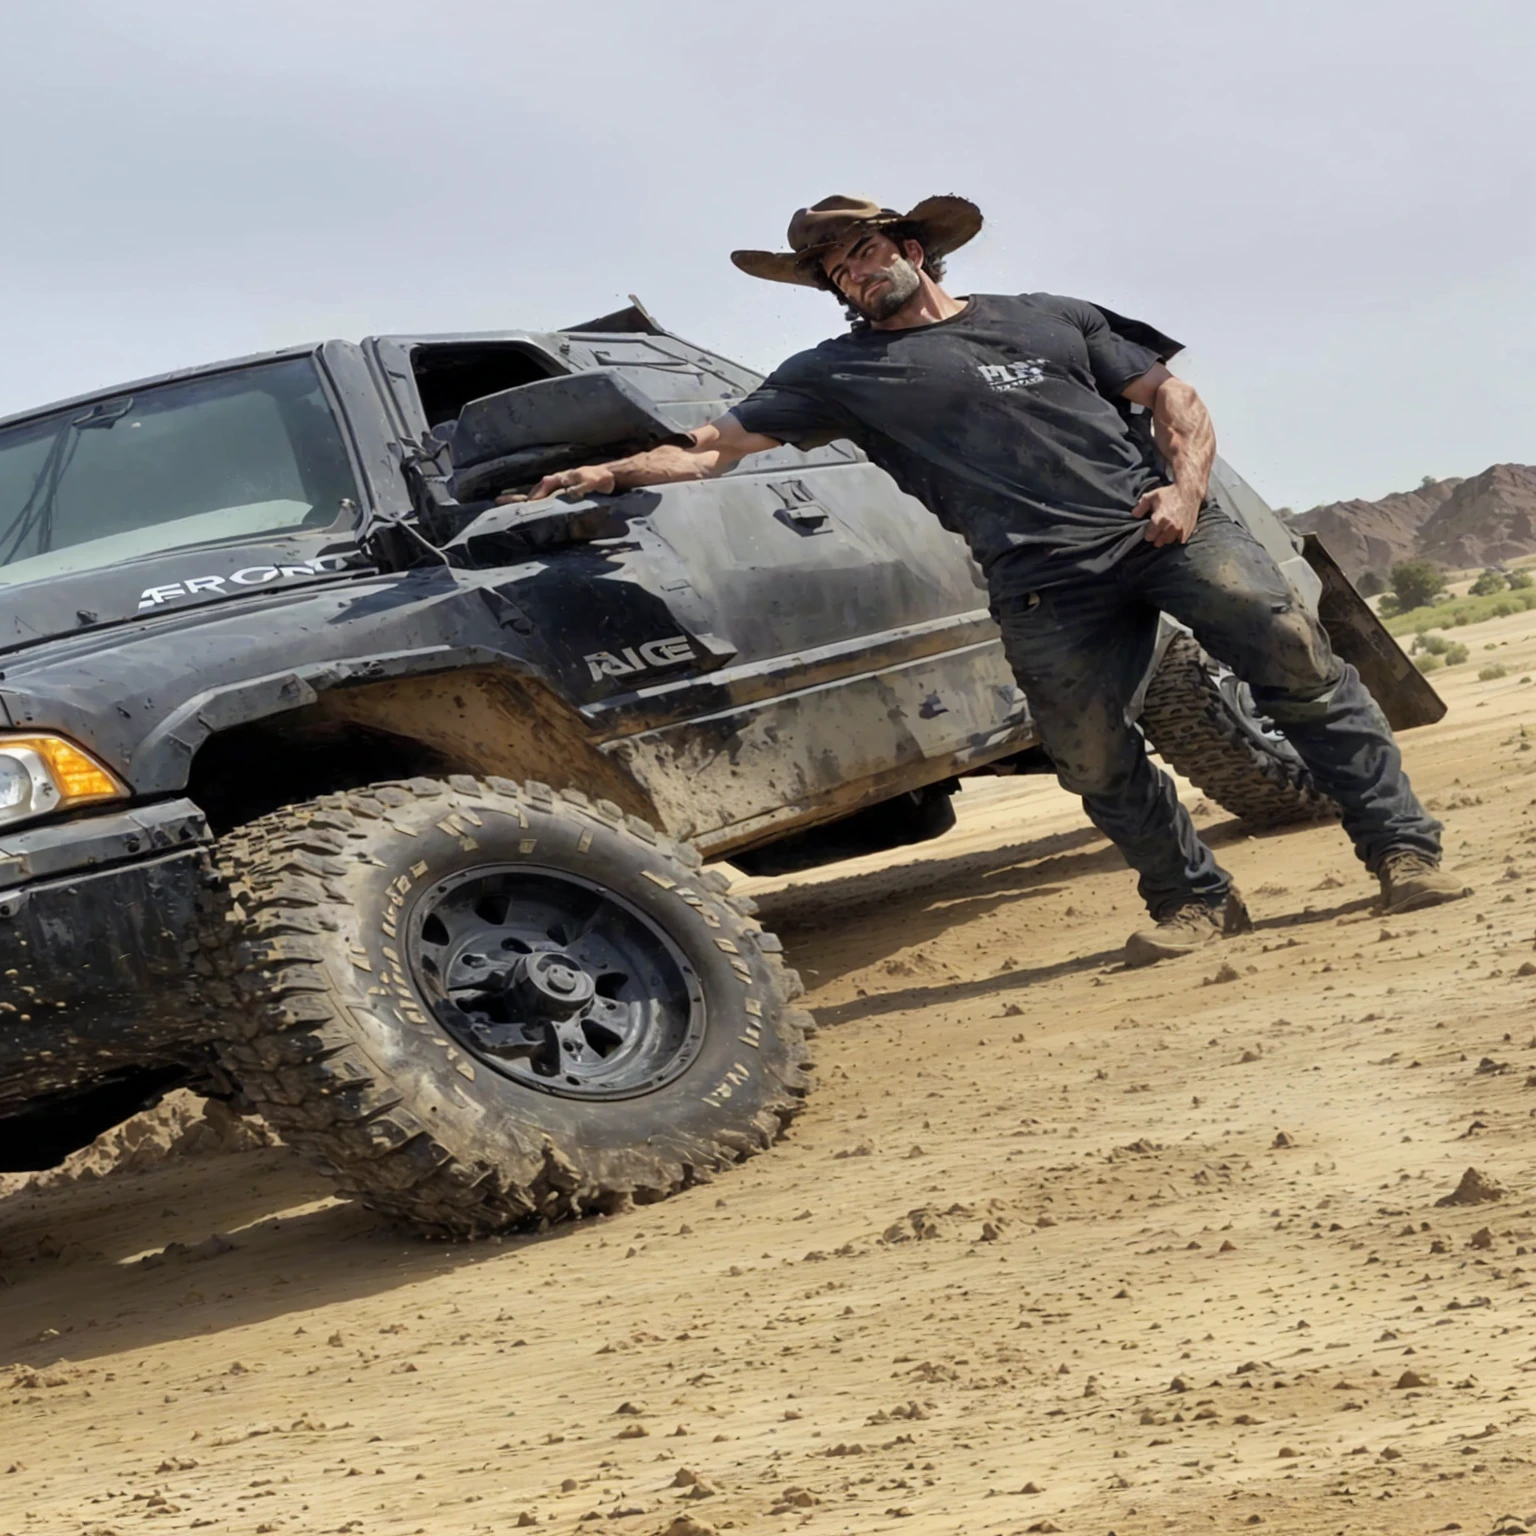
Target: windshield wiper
(36, 514)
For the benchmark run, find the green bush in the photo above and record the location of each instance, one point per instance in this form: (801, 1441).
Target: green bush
(1388, 605)
(1416, 583)
(1489, 582)
(1454, 612)
(1448, 653)
(1371, 584)
(1428, 662)
(1489, 673)
(1519, 580)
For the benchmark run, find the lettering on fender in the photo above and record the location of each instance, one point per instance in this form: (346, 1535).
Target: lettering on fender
(249, 576)
(653, 653)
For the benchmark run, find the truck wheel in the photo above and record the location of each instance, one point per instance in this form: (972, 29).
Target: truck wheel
(1202, 721)
(483, 1004)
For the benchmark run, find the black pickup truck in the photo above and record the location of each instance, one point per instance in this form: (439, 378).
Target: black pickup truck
(333, 788)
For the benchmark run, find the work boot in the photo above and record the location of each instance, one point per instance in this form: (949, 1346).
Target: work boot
(1410, 880)
(1190, 927)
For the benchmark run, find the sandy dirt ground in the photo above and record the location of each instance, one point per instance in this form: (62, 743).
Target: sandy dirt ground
(1056, 1246)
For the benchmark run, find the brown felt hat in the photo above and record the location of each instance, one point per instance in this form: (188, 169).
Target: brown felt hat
(944, 224)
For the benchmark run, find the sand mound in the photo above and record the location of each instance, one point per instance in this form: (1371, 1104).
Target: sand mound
(181, 1125)
(1476, 1188)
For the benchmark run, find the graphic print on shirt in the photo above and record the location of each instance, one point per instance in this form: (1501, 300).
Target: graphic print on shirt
(1002, 377)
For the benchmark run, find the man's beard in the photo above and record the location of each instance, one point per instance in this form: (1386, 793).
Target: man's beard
(902, 281)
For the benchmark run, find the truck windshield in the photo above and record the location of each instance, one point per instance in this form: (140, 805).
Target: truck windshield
(207, 460)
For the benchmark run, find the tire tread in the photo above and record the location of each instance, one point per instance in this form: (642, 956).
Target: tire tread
(299, 1055)
(1188, 721)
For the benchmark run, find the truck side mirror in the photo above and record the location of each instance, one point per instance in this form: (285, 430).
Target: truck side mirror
(511, 440)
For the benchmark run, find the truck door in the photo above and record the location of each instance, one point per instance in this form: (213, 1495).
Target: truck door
(854, 656)
(775, 647)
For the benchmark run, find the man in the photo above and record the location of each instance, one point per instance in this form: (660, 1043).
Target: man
(1003, 415)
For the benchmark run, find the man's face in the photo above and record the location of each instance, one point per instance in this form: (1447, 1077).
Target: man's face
(872, 273)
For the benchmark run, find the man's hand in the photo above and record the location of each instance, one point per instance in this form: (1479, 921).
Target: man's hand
(710, 450)
(590, 480)
(1182, 430)
(1171, 515)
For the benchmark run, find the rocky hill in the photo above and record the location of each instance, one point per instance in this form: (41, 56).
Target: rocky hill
(1486, 520)
(1483, 520)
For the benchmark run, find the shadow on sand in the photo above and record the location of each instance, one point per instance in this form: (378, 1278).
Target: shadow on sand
(851, 923)
(73, 1284)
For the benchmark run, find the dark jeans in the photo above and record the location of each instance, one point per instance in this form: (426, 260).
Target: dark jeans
(1080, 651)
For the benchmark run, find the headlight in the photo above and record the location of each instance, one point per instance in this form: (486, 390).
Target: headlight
(15, 786)
(43, 774)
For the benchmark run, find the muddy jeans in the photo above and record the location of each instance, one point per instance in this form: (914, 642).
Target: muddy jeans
(1080, 651)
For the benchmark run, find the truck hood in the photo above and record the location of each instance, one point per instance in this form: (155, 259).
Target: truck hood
(142, 692)
(38, 611)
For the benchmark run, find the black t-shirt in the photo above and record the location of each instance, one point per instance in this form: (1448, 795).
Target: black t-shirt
(1001, 420)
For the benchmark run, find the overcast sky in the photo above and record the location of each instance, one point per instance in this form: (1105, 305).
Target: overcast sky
(1332, 204)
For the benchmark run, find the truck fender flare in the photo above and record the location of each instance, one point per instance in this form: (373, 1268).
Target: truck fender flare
(162, 762)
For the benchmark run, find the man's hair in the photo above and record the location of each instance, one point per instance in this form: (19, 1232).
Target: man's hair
(899, 234)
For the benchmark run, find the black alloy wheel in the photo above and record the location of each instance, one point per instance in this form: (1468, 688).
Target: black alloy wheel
(480, 1004)
(556, 982)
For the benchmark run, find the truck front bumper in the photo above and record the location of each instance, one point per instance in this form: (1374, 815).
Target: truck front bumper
(103, 929)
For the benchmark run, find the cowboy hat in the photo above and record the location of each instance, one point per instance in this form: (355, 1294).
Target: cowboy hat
(943, 225)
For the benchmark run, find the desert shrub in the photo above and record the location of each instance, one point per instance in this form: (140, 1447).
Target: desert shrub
(1428, 662)
(1519, 580)
(1416, 583)
(1448, 653)
(1488, 583)
(1455, 612)
(1372, 584)
(1388, 605)
(1489, 673)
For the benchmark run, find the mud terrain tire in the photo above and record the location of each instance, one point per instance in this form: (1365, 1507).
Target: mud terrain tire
(1203, 723)
(357, 1059)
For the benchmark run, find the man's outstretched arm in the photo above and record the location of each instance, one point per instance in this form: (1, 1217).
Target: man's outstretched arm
(716, 447)
(1186, 438)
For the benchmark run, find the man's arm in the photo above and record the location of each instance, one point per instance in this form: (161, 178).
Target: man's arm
(1182, 429)
(716, 447)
